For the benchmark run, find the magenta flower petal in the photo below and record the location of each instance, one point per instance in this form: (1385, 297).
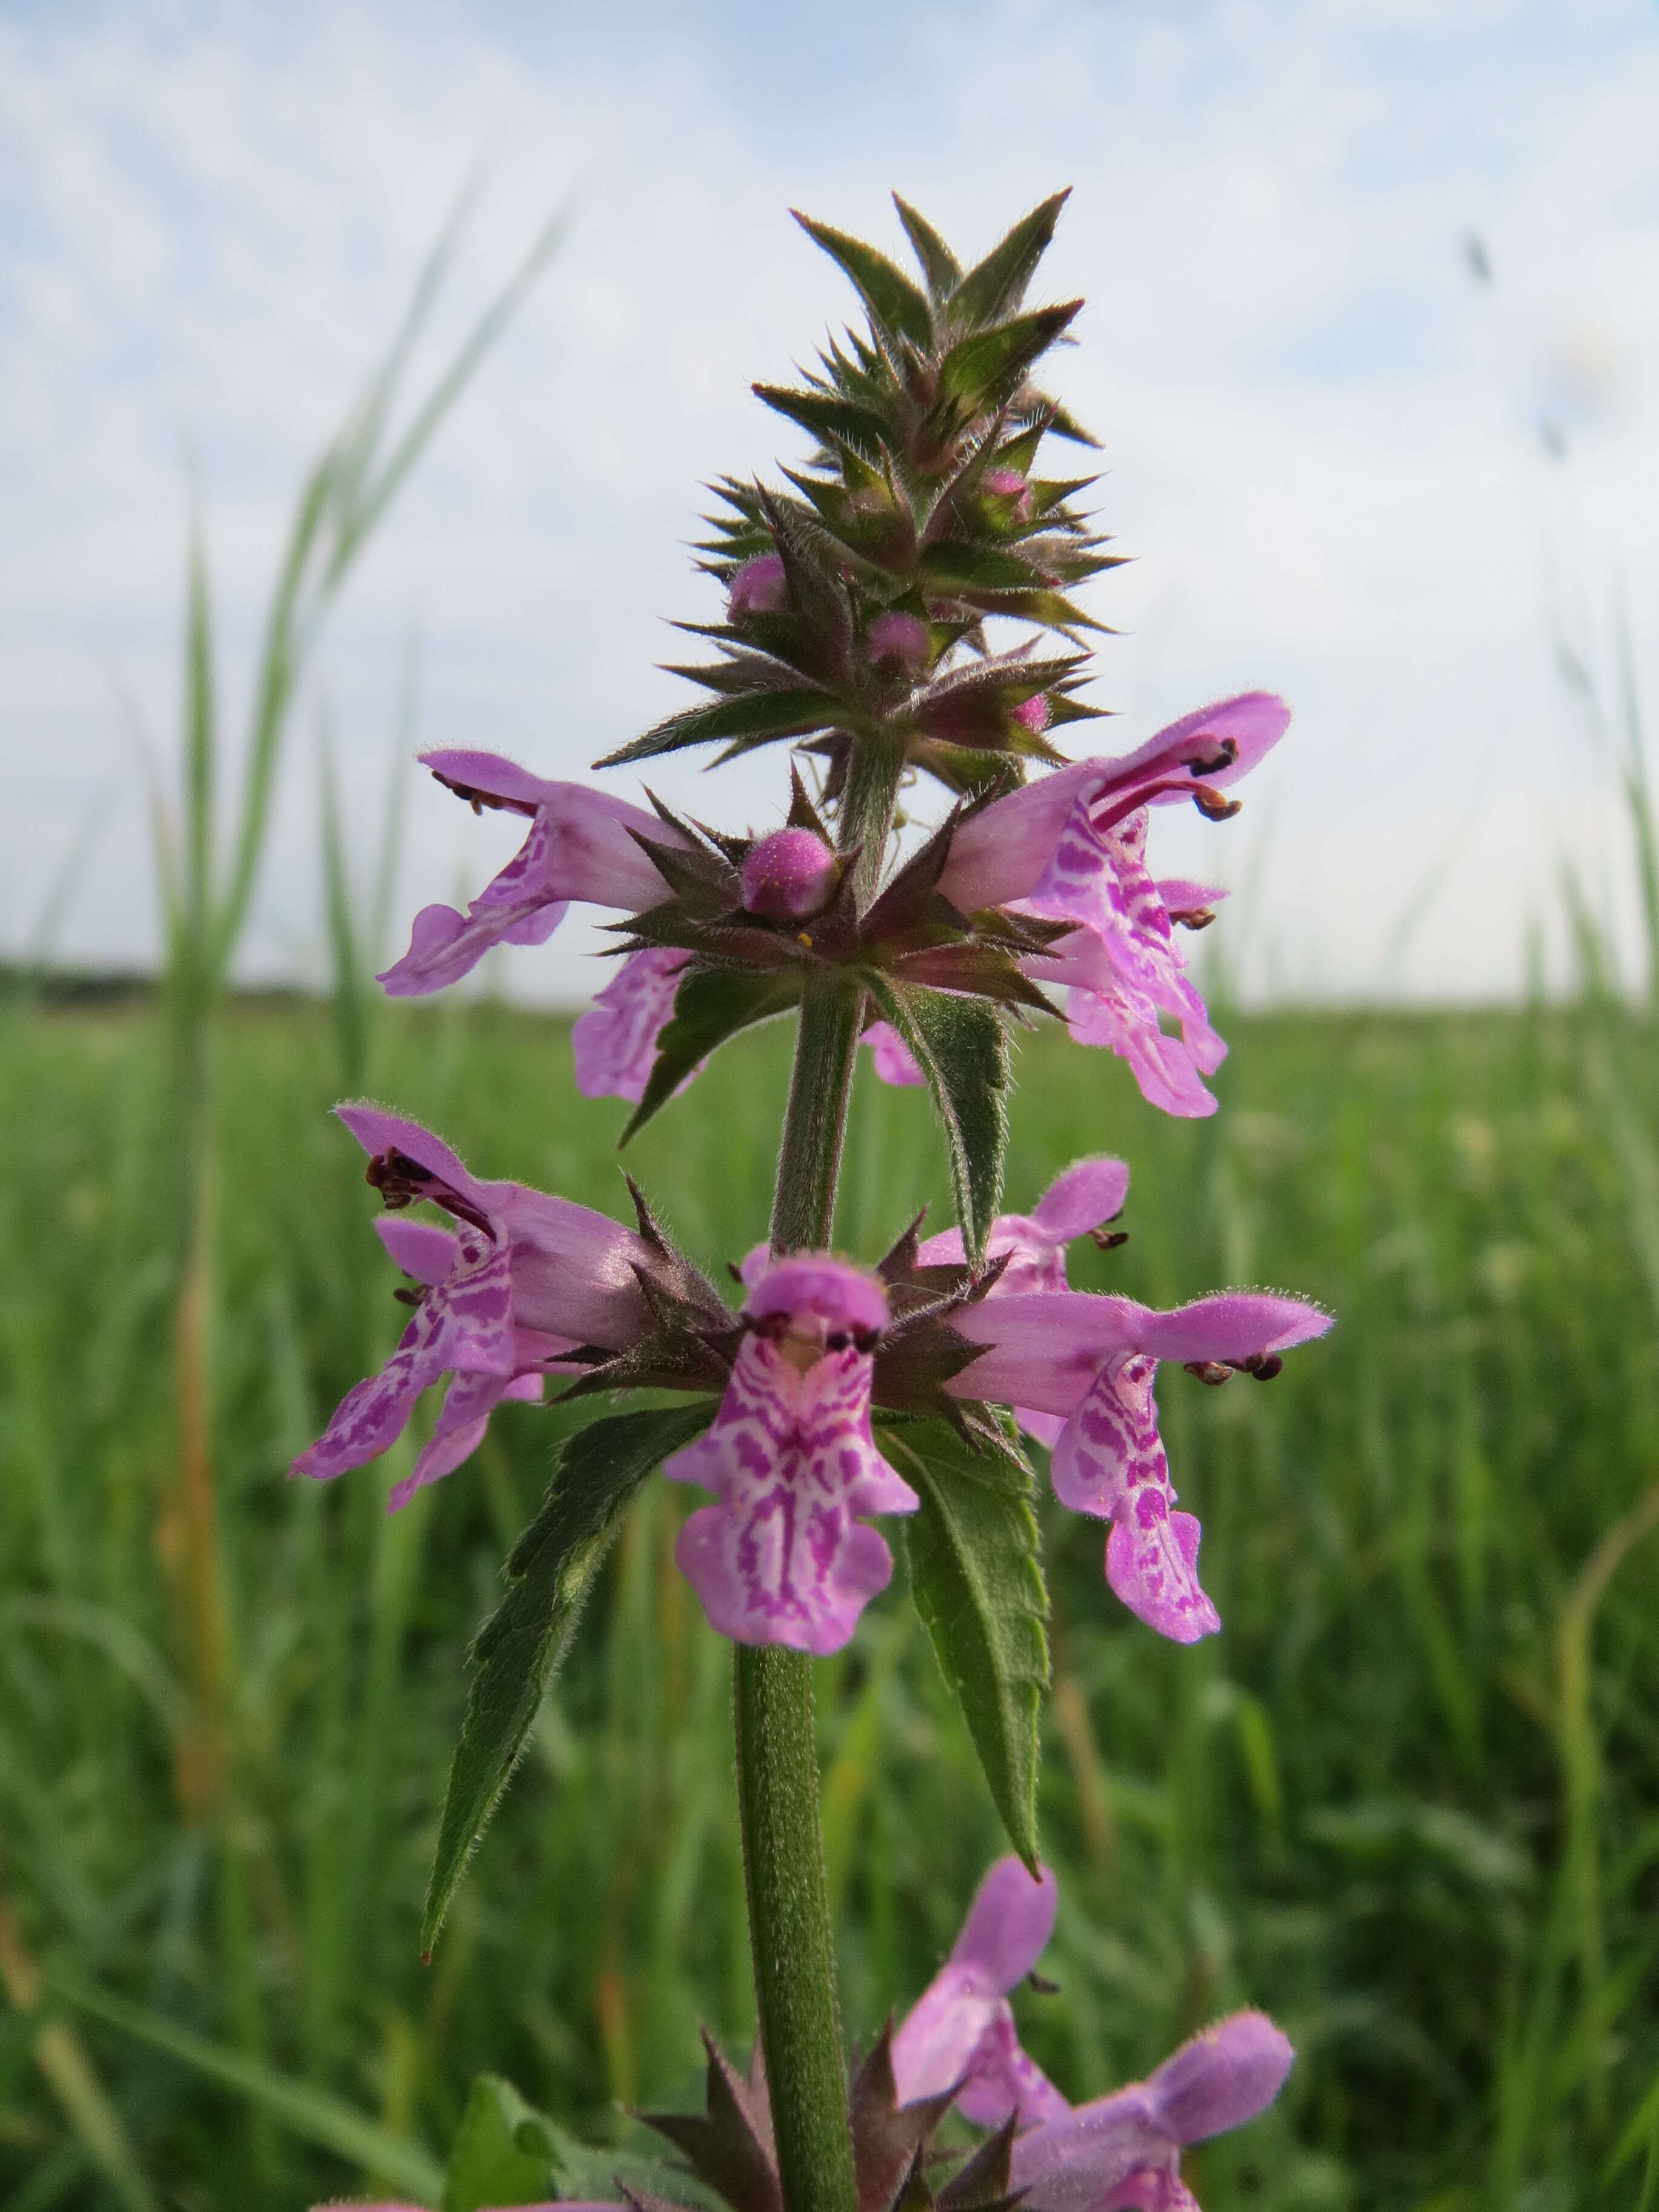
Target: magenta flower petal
(1124, 2150)
(961, 2030)
(895, 1062)
(464, 1326)
(1227, 2074)
(616, 1040)
(1093, 1360)
(523, 1280)
(1000, 853)
(783, 1557)
(1089, 1193)
(581, 845)
(419, 1249)
(1110, 1463)
(459, 1430)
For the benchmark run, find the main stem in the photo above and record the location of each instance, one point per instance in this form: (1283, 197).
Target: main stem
(789, 1932)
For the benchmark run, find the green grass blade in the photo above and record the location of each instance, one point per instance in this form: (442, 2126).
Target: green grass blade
(310, 2113)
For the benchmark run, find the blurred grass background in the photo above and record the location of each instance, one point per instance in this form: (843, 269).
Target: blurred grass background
(1408, 1801)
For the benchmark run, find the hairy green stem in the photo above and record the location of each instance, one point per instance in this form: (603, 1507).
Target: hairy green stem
(867, 808)
(789, 1932)
(790, 1937)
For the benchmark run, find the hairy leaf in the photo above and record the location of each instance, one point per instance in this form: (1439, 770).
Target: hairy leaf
(989, 366)
(962, 1047)
(758, 717)
(504, 2152)
(520, 1648)
(710, 1005)
(942, 268)
(895, 304)
(977, 1576)
(997, 285)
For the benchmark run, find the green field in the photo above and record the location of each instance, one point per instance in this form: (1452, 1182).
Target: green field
(1408, 1801)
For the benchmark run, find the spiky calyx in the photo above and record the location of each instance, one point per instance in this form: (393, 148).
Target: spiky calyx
(729, 2146)
(917, 517)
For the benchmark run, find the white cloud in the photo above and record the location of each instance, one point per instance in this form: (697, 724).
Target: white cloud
(1319, 434)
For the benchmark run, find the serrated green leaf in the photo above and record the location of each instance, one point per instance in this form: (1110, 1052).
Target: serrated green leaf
(520, 1647)
(758, 718)
(893, 302)
(962, 1047)
(995, 286)
(940, 265)
(710, 1005)
(977, 1576)
(504, 2154)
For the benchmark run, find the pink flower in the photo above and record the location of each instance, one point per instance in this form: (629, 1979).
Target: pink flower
(1072, 847)
(788, 875)
(904, 638)
(1008, 483)
(1125, 2150)
(760, 587)
(1091, 1360)
(961, 2029)
(784, 1557)
(895, 1062)
(582, 846)
(523, 1281)
(1120, 2151)
(1087, 1195)
(616, 1040)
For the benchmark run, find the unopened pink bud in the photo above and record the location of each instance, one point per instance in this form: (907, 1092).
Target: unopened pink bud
(1034, 713)
(901, 637)
(1008, 483)
(760, 587)
(788, 875)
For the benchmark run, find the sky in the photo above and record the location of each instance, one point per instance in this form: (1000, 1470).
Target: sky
(1352, 458)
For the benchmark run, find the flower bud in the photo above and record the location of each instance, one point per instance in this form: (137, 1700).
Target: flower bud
(1008, 483)
(1034, 713)
(788, 875)
(901, 637)
(759, 587)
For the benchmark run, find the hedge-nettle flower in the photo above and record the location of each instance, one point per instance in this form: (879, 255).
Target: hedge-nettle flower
(582, 846)
(961, 2029)
(615, 1042)
(524, 1279)
(760, 587)
(788, 875)
(784, 1556)
(1070, 847)
(901, 637)
(894, 1060)
(1119, 2151)
(1124, 2150)
(1091, 1360)
(1079, 1202)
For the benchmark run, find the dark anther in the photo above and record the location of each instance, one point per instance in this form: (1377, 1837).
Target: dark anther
(865, 1339)
(771, 1326)
(1195, 917)
(1208, 1370)
(1264, 1366)
(1211, 804)
(406, 1297)
(1042, 1984)
(477, 800)
(1224, 757)
(837, 1340)
(1108, 1240)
